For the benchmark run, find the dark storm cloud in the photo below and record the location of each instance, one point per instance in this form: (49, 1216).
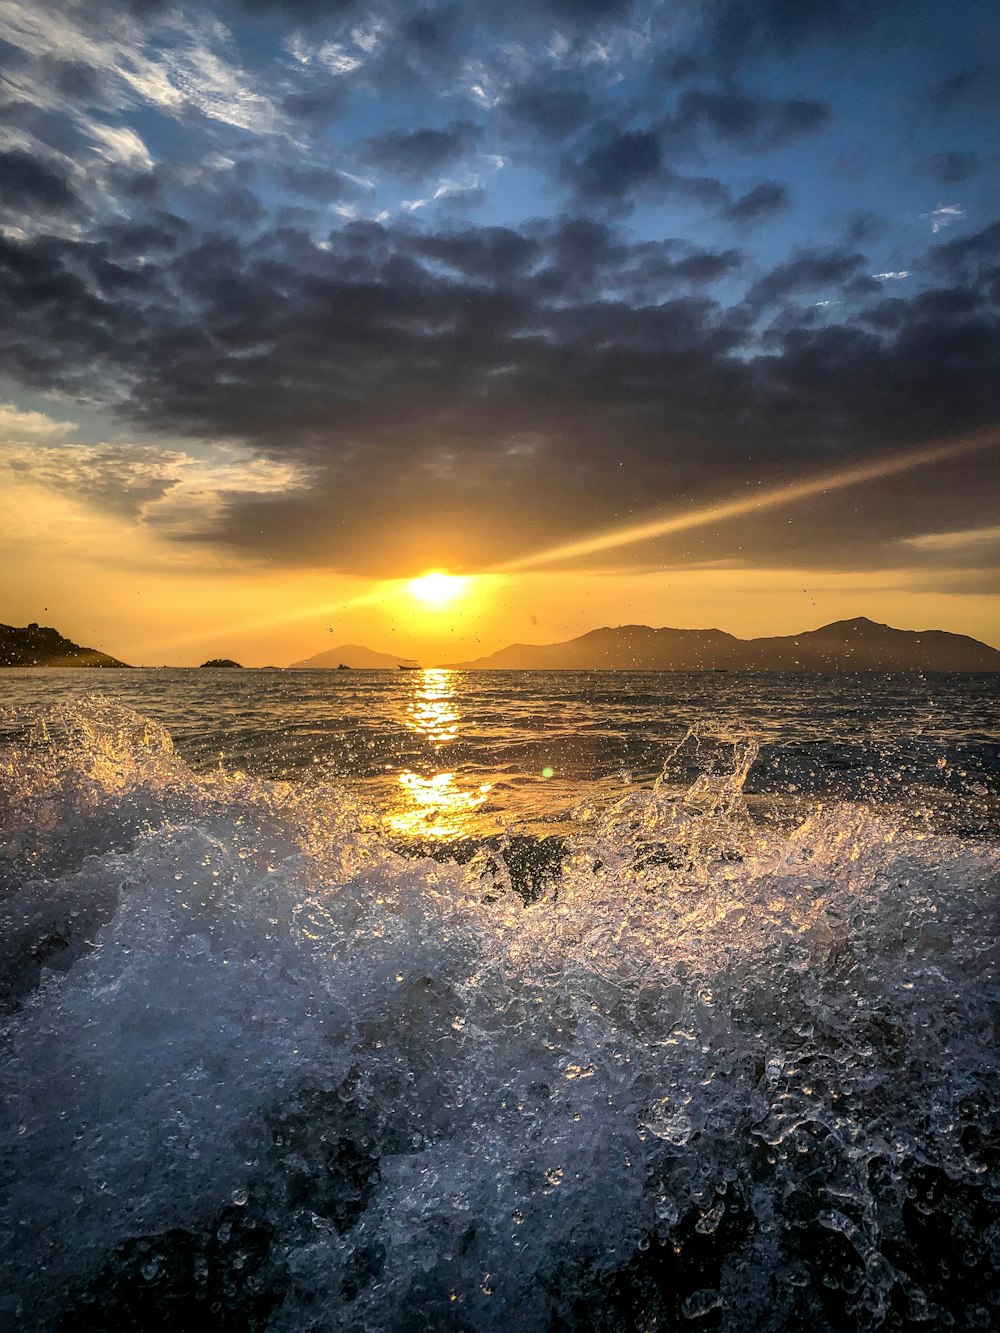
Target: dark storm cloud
(75, 79)
(527, 377)
(765, 200)
(293, 11)
(414, 154)
(613, 166)
(27, 182)
(315, 107)
(757, 124)
(618, 164)
(706, 266)
(428, 25)
(518, 382)
(970, 257)
(551, 108)
(579, 256)
(483, 253)
(430, 22)
(588, 10)
(743, 27)
(809, 271)
(614, 169)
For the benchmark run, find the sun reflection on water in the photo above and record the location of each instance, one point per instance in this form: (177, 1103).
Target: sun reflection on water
(432, 710)
(434, 806)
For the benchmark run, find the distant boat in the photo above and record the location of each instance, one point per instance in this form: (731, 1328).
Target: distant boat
(408, 668)
(342, 666)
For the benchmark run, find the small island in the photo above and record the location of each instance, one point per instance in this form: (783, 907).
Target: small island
(215, 662)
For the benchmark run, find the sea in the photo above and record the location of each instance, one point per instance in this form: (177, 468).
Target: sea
(487, 1001)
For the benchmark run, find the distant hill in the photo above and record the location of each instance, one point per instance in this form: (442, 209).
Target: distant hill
(846, 645)
(38, 646)
(353, 655)
(221, 662)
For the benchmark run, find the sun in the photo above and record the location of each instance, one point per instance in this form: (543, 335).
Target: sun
(435, 588)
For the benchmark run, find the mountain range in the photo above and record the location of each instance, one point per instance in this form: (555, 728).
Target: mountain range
(845, 645)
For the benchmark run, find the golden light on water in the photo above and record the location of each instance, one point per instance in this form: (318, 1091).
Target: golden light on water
(432, 710)
(436, 588)
(435, 807)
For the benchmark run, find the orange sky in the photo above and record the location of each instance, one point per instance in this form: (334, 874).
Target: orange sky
(120, 583)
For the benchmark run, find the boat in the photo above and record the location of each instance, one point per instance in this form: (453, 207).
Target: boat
(408, 668)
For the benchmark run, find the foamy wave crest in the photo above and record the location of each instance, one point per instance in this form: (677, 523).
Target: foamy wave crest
(261, 1069)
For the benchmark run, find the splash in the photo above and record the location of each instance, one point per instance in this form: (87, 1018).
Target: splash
(261, 1068)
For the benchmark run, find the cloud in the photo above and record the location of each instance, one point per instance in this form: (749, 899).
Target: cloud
(706, 266)
(971, 259)
(119, 144)
(952, 168)
(193, 69)
(757, 124)
(551, 108)
(119, 479)
(177, 493)
(954, 541)
(26, 182)
(18, 427)
(765, 200)
(397, 367)
(974, 85)
(741, 29)
(317, 296)
(614, 169)
(944, 216)
(808, 271)
(484, 254)
(618, 164)
(334, 57)
(588, 11)
(864, 227)
(414, 154)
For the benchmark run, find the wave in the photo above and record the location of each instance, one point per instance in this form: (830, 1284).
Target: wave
(265, 1067)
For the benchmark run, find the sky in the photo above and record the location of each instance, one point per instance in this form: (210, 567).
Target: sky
(678, 313)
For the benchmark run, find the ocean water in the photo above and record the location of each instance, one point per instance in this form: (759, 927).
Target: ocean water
(550, 1001)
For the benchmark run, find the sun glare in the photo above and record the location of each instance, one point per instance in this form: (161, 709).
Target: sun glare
(436, 588)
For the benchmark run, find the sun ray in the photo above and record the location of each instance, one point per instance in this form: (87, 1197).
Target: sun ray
(749, 504)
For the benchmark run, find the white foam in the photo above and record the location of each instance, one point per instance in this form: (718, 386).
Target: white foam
(441, 1106)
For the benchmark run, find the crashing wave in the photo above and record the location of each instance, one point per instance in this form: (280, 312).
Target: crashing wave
(262, 1067)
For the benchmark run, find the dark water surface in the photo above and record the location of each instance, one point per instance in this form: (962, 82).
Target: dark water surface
(544, 741)
(472, 1001)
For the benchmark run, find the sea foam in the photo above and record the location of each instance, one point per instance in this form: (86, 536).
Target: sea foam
(261, 1067)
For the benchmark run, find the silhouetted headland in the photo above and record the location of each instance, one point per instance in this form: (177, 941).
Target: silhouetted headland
(39, 646)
